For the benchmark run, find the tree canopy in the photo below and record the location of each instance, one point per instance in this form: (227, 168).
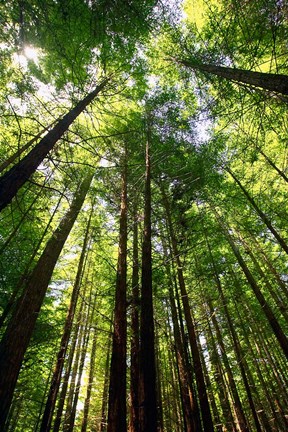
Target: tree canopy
(143, 216)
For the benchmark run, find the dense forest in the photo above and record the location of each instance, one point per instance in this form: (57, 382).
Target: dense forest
(143, 197)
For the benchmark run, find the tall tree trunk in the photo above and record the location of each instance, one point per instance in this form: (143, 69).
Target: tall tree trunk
(219, 376)
(68, 368)
(90, 383)
(147, 385)
(188, 404)
(239, 356)
(103, 423)
(71, 413)
(117, 386)
(134, 370)
(188, 366)
(20, 328)
(201, 386)
(56, 378)
(278, 332)
(239, 412)
(273, 82)
(262, 215)
(13, 179)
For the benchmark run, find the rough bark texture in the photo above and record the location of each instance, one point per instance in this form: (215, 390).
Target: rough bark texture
(19, 331)
(268, 81)
(134, 381)
(147, 387)
(12, 181)
(117, 386)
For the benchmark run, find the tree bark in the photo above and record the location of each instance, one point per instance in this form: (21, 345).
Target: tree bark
(117, 386)
(147, 385)
(134, 371)
(273, 82)
(12, 181)
(19, 331)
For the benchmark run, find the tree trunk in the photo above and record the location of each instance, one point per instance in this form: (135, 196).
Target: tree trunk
(188, 404)
(25, 275)
(278, 332)
(201, 387)
(103, 423)
(65, 379)
(71, 412)
(219, 376)
(239, 356)
(90, 383)
(117, 386)
(19, 331)
(12, 181)
(239, 412)
(147, 385)
(273, 82)
(21, 150)
(134, 374)
(56, 378)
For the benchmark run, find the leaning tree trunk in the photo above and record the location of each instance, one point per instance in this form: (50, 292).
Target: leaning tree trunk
(56, 378)
(12, 181)
(117, 386)
(147, 384)
(273, 82)
(20, 328)
(22, 149)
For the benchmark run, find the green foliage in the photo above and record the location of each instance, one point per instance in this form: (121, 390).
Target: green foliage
(200, 126)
